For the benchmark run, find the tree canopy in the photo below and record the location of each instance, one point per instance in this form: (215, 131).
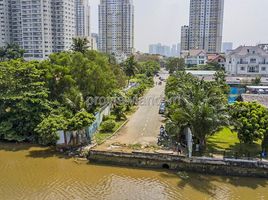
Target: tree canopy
(80, 44)
(250, 120)
(175, 64)
(195, 104)
(38, 93)
(11, 51)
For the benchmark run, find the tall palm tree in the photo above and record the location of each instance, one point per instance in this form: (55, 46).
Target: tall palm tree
(80, 44)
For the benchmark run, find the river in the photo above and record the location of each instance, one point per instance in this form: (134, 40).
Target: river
(35, 173)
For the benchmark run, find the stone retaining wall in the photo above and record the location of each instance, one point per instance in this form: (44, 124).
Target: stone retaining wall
(228, 167)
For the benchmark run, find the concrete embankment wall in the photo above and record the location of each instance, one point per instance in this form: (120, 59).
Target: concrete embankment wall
(224, 167)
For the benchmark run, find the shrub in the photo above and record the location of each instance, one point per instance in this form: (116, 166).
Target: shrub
(108, 126)
(48, 128)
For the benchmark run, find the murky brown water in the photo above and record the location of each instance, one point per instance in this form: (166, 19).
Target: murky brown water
(34, 173)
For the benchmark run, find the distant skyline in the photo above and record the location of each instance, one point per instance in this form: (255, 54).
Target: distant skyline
(159, 21)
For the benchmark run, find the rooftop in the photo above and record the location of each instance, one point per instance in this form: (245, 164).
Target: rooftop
(245, 50)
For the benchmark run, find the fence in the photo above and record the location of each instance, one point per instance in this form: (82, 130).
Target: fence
(76, 138)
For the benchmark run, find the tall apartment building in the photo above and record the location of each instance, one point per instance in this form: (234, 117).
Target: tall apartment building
(31, 27)
(4, 22)
(63, 23)
(116, 26)
(42, 27)
(82, 18)
(160, 49)
(184, 38)
(206, 24)
(94, 41)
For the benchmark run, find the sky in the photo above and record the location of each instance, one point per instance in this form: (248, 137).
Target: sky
(159, 21)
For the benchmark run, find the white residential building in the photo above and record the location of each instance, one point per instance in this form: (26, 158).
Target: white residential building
(205, 26)
(247, 61)
(195, 57)
(116, 26)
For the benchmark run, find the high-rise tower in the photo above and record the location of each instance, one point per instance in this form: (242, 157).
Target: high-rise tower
(206, 24)
(116, 26)
(44, 26)
(82, 18)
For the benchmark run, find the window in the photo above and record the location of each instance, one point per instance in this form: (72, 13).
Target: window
(253, 60)
(242, 68)
(263, 69)
(252, 69)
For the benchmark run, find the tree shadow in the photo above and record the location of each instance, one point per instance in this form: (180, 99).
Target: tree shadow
(197, 182)
(32, 150)
(253, 150)
(47, 152)
(215, 146)
(14, 147)
(208, 184)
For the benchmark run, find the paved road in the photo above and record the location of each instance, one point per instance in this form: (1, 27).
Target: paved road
(143, 126)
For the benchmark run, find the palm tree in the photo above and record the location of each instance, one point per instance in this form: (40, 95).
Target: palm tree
(74, 100)
(201, 106)
(80, 44)
(130, 67)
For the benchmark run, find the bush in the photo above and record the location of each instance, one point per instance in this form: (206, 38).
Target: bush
(48, 128)
(108, 126)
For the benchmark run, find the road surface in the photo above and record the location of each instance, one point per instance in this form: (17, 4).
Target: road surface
(144, 125)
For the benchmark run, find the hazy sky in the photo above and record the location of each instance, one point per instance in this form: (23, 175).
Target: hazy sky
(245, 21)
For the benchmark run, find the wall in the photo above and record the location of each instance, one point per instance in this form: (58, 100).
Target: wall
(64, 138)
(201, 165)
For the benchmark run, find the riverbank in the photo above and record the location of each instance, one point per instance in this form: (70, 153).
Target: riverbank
(224, 167)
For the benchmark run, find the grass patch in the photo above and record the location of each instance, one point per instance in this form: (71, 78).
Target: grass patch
(131, 111)
(101, 136)
(226, 140)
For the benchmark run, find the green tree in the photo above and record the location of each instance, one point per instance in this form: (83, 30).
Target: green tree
(130, 67)
(195, 104)
(80, 44)
(11, 51)
(119, 105)
(250, 121)
(175, 64)
(220, 78)
(149, 68)
(23, 101)
(81, 120)
(48, 129)
(33, 92)
(256, 81)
